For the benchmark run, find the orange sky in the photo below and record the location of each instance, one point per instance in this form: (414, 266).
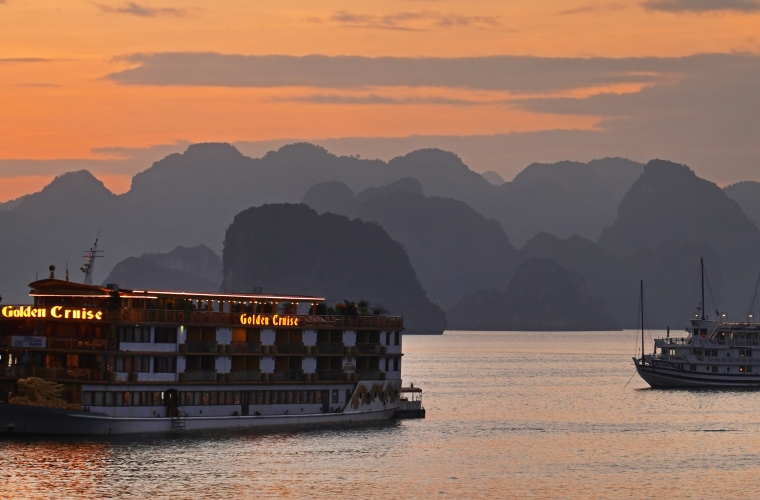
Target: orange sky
(62, 107)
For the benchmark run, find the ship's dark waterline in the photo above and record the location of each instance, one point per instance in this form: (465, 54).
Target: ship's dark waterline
(543, 415)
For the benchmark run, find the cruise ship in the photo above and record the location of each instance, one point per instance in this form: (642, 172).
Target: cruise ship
(92, 360)
(713, 354)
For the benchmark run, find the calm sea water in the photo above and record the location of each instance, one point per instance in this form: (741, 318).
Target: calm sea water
(542, 415)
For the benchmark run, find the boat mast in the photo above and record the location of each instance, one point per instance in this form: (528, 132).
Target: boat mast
(88, 266)
(702, 268)
(641, 307)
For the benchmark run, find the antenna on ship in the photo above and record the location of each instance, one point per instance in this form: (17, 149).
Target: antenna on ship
(702, 304)
(88, 266)
(641, 298)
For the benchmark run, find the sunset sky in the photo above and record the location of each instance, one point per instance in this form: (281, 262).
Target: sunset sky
(112, 85)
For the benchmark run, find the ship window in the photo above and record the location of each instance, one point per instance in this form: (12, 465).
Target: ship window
(395, 337)
(395, 364)
(213, 398)
(197, 398)
(109, 399)
(335, 395)
(267, 397)
(741, 369)
(348, 394)
(126, 399)
(228, 397)
(297, 397)
(164, 364)
(693, 368)
(98, 398)
(87, 398)
(275, 397)
(134, 334)
(259, 397)
(318, 398)
(166, 335)
(205, 398)
(715, 369)
(749, 369)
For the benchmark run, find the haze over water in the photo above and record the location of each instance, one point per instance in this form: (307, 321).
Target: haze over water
(510, 414)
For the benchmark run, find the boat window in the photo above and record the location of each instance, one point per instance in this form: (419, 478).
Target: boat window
(87, 398)
(395, 364)
(99, 397)
(134, 334)
(127, 398)
(165, 335)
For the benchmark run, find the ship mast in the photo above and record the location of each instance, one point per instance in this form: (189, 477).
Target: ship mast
(641, 307)
(88, 266)
(702, 268)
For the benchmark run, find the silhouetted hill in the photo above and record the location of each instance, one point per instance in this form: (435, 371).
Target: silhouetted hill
(195, 269)
(75, 195)
(291, 249)
(563, 199)
(454, 250)
(542, 295)
(493, 178)
(405, 185)
(677, 215)
(670, 273)
(747, 195)
(331, 196)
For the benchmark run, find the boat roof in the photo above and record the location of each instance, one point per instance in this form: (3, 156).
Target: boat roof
(411, 389)
(61, 288)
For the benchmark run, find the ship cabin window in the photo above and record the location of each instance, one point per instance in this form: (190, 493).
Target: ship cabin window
(396, 336)
(745, 353)
(367, 337)
(129, 364)
(288, 336)
(329, 336)
(335, 395)
(165, 335)
(395, 364)
(672, 352)
(164, 364)
(697, 351)
(714, 369)
(693, 368)
(134, 334)
(711, 352)
(204, 334)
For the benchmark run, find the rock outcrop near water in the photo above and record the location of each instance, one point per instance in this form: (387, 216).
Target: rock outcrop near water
(672, 216)
(542, 295)
(454, 249)
(285, 248)
(183, 269)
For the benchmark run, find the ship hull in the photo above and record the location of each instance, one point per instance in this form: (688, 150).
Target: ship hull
(671, 378)
(20, 419)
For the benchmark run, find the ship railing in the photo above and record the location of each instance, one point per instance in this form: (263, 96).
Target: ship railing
(245, 376)
(369, 374)
(331, 348)
(200, 375)
(288, 376)
(289, 347)
(200, 346)
(20, 371)
(85, 345)
(130, 315)
(676, 340)
(374, 348)
(245, 347)
(330, 375)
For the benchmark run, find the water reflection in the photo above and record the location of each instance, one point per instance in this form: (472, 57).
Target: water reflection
(509, 415)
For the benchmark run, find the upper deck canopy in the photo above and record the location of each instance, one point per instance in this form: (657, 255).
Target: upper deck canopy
(60, 288)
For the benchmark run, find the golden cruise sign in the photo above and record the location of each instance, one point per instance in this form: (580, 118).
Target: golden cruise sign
(55, 312)
(266, 320)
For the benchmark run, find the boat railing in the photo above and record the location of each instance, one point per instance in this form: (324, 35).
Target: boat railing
(130, 315)
(85, 345)
(288, 376)
(331, 348)
(374, 348)
(200, 375)
(289, 347)
(247, 376)
(199, 346)
(330, 375)
(675, 340)
(369, 374)
(24, 371)
(246, 347)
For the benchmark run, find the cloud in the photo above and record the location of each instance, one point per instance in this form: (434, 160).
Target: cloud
(583, 9)
(699, 6)
(135, 9)
(379, 99)
(12, 60)
(516, 74)
(411, 21)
